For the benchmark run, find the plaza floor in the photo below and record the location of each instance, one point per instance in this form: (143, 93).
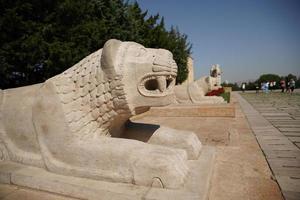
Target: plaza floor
(240, 172)
(275, 121)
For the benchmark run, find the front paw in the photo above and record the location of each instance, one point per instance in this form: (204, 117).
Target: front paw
(160, 164)
(185, 140)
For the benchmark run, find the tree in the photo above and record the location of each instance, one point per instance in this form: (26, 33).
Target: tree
(291, 76)
(40, 39)
(251, 85)
(234, 86)
(298, 82)
(269, 78)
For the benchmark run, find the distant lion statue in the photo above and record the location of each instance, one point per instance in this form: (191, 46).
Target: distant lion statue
(73, 123)
(195, 92)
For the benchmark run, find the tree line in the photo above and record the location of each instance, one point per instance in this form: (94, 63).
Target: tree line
(40, 39)
(251, 85)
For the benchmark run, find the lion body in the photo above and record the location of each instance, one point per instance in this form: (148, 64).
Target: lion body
(72, 123)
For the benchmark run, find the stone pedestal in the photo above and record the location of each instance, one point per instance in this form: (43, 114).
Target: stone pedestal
(193, 110)
(227, 89)
(195, 188)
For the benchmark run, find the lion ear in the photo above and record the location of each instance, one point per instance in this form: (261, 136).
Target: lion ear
(108, 57)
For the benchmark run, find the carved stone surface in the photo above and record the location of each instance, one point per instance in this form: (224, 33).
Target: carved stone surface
(215, 71)
(190, 66)
(195, 92)
(196, 185)
(72, 124)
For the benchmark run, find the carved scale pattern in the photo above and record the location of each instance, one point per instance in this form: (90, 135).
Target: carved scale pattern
(90, 100)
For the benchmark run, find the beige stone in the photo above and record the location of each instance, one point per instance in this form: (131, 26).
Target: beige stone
(193, 110)
(196, 183)
(6, 190)
(25, 194)
(73, 124)
(190, 66)
(195, 92)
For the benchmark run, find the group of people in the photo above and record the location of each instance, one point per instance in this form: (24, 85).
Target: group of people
(288, 86)
(285, 86)
(266, 86)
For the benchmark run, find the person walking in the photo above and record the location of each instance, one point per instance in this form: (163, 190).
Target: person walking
(292, 85)
(256, 88)
(287, 86)
(282, 85)
(271, 86)
(243, 87)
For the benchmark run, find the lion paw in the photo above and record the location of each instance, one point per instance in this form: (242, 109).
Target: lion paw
(160, 163)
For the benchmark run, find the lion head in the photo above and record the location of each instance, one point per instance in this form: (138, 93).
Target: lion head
(148, 75)
(108, 86)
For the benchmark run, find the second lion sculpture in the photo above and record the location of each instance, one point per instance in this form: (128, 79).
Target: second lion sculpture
(73, 123)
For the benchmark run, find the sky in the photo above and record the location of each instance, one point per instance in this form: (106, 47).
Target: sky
(246, 37)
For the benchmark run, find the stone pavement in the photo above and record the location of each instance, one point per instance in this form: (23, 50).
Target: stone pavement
(275, 121)
(240, 170)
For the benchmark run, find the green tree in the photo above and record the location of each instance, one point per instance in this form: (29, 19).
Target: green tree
(251, 85)
(40, 39)
(234, 86)
(291, 76)
(268, 77)
(298, 82)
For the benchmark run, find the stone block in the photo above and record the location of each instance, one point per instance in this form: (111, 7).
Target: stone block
(190, 110)
(196, 185)
(6, 190)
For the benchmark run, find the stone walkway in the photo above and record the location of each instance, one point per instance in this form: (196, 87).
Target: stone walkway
(275, 121)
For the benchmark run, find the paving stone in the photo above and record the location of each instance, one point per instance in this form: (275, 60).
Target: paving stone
(289, 184)
(279, 146)
(282, 154)
(282, 148)
(291, 195)
(290, 129)
(295, 139)
(282, 125)
(292, 134)
(284, 122)
(276, 114)
(286, 166)
(270, 118)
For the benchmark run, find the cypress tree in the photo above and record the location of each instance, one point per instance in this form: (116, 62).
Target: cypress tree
(40, 39)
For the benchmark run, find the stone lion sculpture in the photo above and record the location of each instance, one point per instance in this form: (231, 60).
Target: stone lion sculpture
(195, 92)
(72, 124)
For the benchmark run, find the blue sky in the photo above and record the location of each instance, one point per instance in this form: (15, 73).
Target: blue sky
(246, 37)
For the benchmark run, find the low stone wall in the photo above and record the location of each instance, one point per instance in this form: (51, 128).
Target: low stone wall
(192, 110)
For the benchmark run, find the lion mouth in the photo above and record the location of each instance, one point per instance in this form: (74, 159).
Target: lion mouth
(157, 84)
